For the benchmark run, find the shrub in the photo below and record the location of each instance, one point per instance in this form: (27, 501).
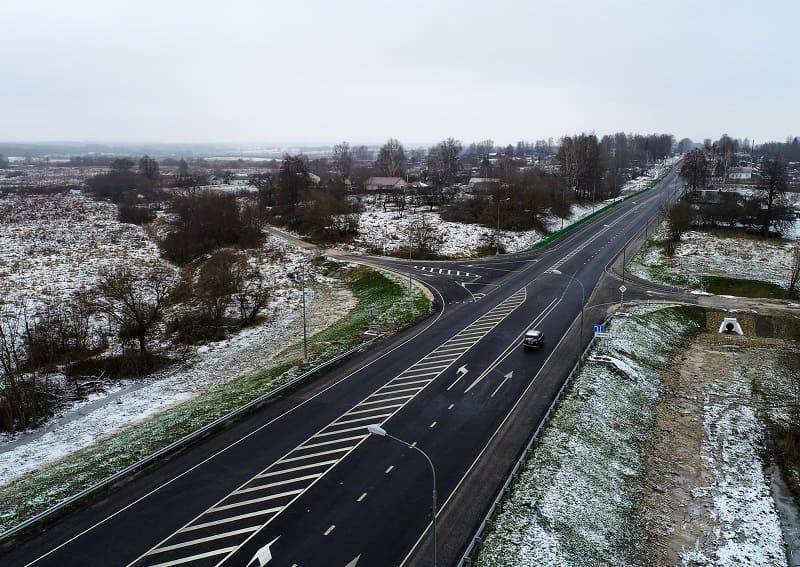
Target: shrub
(119, 186)
(134, 214)
(207, 221)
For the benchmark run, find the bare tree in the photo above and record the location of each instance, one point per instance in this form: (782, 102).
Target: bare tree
(424, 236)
(342, 160)
(773, 185)
(391, 159)
(25, 399)
(443, 162)
(265, 184)
(148, 167)
(216, 284)
(293, 181)
(694, 169)
(679, 220)
(121, 165)
(252, 292)
(134, 303)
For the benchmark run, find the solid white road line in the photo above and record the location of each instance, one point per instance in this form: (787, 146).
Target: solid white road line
(203, 540)
(313, 455)
(357, 419)
(228, 520)
(383, 401)
(274, 484)
(193, 557)
(371, 410)
(284, 471)
(332, 441)
(338, 431)
(380, 393)
(400, 383)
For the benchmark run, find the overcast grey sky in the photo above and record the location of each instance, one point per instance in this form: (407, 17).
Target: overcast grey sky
(323, 71)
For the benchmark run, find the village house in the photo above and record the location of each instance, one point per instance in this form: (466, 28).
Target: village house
(385, 184)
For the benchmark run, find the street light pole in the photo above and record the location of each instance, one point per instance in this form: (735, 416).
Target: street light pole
(583, 298)
(376, 429)
(497, 234)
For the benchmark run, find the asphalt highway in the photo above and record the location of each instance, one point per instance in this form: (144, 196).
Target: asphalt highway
(303, 475)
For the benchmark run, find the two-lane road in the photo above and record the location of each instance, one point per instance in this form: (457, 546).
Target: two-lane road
(304, 474)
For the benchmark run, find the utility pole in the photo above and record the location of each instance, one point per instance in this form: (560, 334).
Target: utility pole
(410, 232)
(305, 328)
(497, 233)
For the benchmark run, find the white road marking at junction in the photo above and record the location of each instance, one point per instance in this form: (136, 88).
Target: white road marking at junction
(360, 498)
(387, 471)
(329, 530)
(446, 271)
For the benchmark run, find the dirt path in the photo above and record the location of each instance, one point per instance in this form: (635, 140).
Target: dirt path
(706, 499)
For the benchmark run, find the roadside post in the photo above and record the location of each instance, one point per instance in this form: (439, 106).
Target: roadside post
(622, 290)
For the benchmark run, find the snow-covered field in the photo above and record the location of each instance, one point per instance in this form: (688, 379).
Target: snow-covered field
(749, 529)
(38, 176)
(573, 499)
(54, 245)
(616, 478)
(386, 231)
(717, 253)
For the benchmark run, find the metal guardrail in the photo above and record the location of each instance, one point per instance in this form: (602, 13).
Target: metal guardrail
(184, 441)
(482, 528)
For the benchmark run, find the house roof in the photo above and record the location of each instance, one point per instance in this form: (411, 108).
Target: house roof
(384, 180)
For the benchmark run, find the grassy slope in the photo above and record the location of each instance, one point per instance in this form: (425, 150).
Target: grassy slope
(651, 264)
(572, 501)
(381, 301)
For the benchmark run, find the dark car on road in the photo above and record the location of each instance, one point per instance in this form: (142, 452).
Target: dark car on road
(533, 339)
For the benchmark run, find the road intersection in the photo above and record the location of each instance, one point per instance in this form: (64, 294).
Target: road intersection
(302, 473)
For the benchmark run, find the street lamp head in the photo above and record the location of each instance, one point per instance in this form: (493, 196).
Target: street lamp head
(376, 429)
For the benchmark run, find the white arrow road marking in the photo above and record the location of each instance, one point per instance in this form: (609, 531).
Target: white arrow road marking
(461, 373)
(538, 319)
(506, 379)
(354, 562)
(263, 555)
